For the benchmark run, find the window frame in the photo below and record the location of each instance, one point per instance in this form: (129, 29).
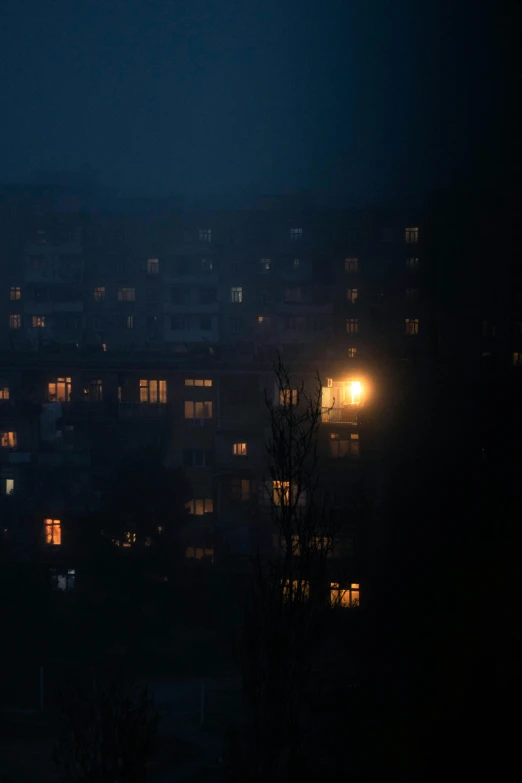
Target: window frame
(153, 391)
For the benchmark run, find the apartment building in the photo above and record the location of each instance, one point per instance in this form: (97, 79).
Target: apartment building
(65, 421)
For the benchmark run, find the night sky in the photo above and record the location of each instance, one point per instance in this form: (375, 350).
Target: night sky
(355, 101)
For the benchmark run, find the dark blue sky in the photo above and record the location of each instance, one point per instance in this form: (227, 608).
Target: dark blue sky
(354, 100)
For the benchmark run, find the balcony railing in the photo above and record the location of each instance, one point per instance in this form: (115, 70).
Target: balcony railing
(345, 415)
(142, 410)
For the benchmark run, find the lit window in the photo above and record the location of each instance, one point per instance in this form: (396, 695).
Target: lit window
(153, 266)
(352, 353)
(412, 263)
(15, 293)
(199, 553)
(198, 410)
(206, 265)
(239, 449)
(351, 264)
(205, 235)
(8, 440)
(99, 293)
(59, 390)
(517, 359)
(344, 596)
(129, 538)
(288, 396)
(281, 493)
(53, 532)
(4, 392)
(348, 446)
(38, 321)
(104, 346)
(63, 580)
(351, 393)
(236, 294)
(352, 295)
(352, 325)
(153, 391)
(295, 589)
(411, 236)
(128, 322)
(266, 265)
(15, 321)
(200, 506)
(9, 486)
(197, 382)
(412, 326)
(263, 321)
(294, 545)
(296, 233)
(126, 294)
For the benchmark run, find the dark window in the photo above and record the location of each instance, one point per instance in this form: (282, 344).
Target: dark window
(207, 294)
(179, 294)
(205, 323)
(235, 325)
(180, 322)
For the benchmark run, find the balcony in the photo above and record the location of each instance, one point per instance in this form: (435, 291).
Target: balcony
(86, 410)
(347, 414)
(62, 459)
(142, 410)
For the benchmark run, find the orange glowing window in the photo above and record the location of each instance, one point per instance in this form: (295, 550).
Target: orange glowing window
(199, 553)
(59, 390)
(411, 236)
(153, 391)
(129, 538)
(411, 326)
(15, 293)
(15, 321)
(198, 410)
(53, 532)
(239, 449)
(348, 596)
(288, 397)
(197, 382)
(4, 392)
(281, 493)
(200, 506)
(294, 545)
(351, 393)
(295, 589)
(8, 440)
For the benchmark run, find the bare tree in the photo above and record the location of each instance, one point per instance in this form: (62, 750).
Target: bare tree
(106, 734)
(284, 605)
